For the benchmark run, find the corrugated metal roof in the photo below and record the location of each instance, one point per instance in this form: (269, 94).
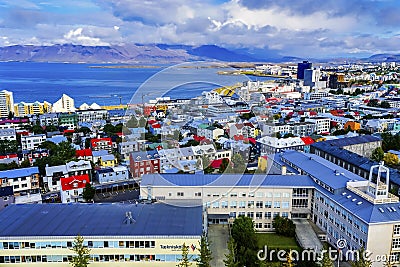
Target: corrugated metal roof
(24, 172)
(226, 180)
(100, 220)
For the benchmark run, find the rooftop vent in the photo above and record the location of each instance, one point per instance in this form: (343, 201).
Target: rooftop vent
(359, 202)
(394, 209)
(381, 210)
(128, 218)
(344, 193)
(348, 196)
(389, 209)
(353, 199)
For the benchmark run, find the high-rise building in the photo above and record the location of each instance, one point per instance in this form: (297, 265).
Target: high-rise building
(6, 103)
(22, 108)
(64, 104)
(301, 67)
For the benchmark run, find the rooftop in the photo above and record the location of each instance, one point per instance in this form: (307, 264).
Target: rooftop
(227, 180)
(100, 220)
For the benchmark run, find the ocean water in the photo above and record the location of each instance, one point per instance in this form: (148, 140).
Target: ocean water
(31, 82)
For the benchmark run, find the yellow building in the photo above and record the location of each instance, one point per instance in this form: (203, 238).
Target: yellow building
(116, 234)
(6, 103)
(107, 161)
(23, 108)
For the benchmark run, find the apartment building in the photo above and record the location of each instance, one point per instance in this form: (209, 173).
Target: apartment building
(8, 134)
(31, 142)
(23, 109)
(6, 103)
(322, 124)
(23, 181)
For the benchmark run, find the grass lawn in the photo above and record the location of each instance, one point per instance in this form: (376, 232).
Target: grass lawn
(273, 240)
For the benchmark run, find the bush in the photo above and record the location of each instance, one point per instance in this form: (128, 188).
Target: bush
(284, 226)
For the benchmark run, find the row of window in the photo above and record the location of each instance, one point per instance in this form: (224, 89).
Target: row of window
(259, 215)
(248, 204)
(93, 258)
(68, 244)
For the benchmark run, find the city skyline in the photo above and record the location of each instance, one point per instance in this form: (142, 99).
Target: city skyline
(307, 29)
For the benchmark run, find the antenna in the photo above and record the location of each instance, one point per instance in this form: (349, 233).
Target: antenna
(128, 218)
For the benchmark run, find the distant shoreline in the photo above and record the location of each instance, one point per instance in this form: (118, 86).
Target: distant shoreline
(240, 72)
(125, 67)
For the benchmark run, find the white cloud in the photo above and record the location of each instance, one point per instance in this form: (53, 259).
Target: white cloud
(77, 37)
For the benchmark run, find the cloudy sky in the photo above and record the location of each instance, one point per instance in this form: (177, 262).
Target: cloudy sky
(310, 28)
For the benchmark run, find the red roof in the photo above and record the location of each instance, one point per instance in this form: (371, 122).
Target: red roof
(217, 163)
(313, 113)
(74, 182)
(199, 138)
(151, 122)
(156, 125)
(84, 153)
(94, 141)
(307, 140)
(69, 131)
(11, 156)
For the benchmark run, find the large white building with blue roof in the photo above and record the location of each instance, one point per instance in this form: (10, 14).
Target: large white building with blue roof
(344, 205)
(116, 234)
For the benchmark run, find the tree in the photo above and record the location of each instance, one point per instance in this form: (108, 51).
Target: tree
(385, 104)
(373, 103)
(362, 261)
(325, 261)
(230, 258)
(377, 154)
(88, 192)
(289, 261)
(51, 128)
(81, 259)
(185, 260)
(390, 159)
(84, 130)
(239, 164)
(142, 122)
(8, 146)
(109, 129)
(25, 164)
(284, 226)
(205, 253)
(244, 235)
(224, 165)
(132, 122)
(37, 129)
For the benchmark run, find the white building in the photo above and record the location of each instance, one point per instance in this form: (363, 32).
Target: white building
(322, 124)
(72, 188)
(31, 142)
(6, 103)
(64, 104)
(114, 174)
(8, 134)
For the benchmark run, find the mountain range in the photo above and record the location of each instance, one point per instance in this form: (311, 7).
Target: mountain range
(154, 53)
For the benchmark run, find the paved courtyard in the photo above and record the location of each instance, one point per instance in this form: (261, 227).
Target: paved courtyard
(218, 235)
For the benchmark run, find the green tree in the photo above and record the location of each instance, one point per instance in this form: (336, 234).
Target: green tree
(361, 261)
(109, 129)
(84, 130)
(142, 122)
(81, 259)
(385, 104)
(325, 261)
(239, 164)
(284, 226)
(377, 154)
(184, 261)
(25, 164)
(132, 122)
(8, 146)
(230, 258)
(51, 128)
(224, 165)
(373, 103)
(244, 235)
(37, 129)
(205, 256)
(88, 192)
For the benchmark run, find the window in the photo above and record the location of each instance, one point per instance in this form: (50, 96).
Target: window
(242, 204)
(233, 204)
(267, 225)
(180, 194)
(260, 194)
(259, 215)
(197, 194)
(250, 204)
(396, 243)
(277, 204)
(250, 214)
(224, 204)
(233, 194)
(259, 204)
(286, 195)
(285, 214)
(268, 204)
(276, 214)
(277, 194)
(285, 204)
(396, 230)
(215, 205)
(269, 194)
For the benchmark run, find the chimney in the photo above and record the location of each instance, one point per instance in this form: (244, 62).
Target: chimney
(283, 170)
